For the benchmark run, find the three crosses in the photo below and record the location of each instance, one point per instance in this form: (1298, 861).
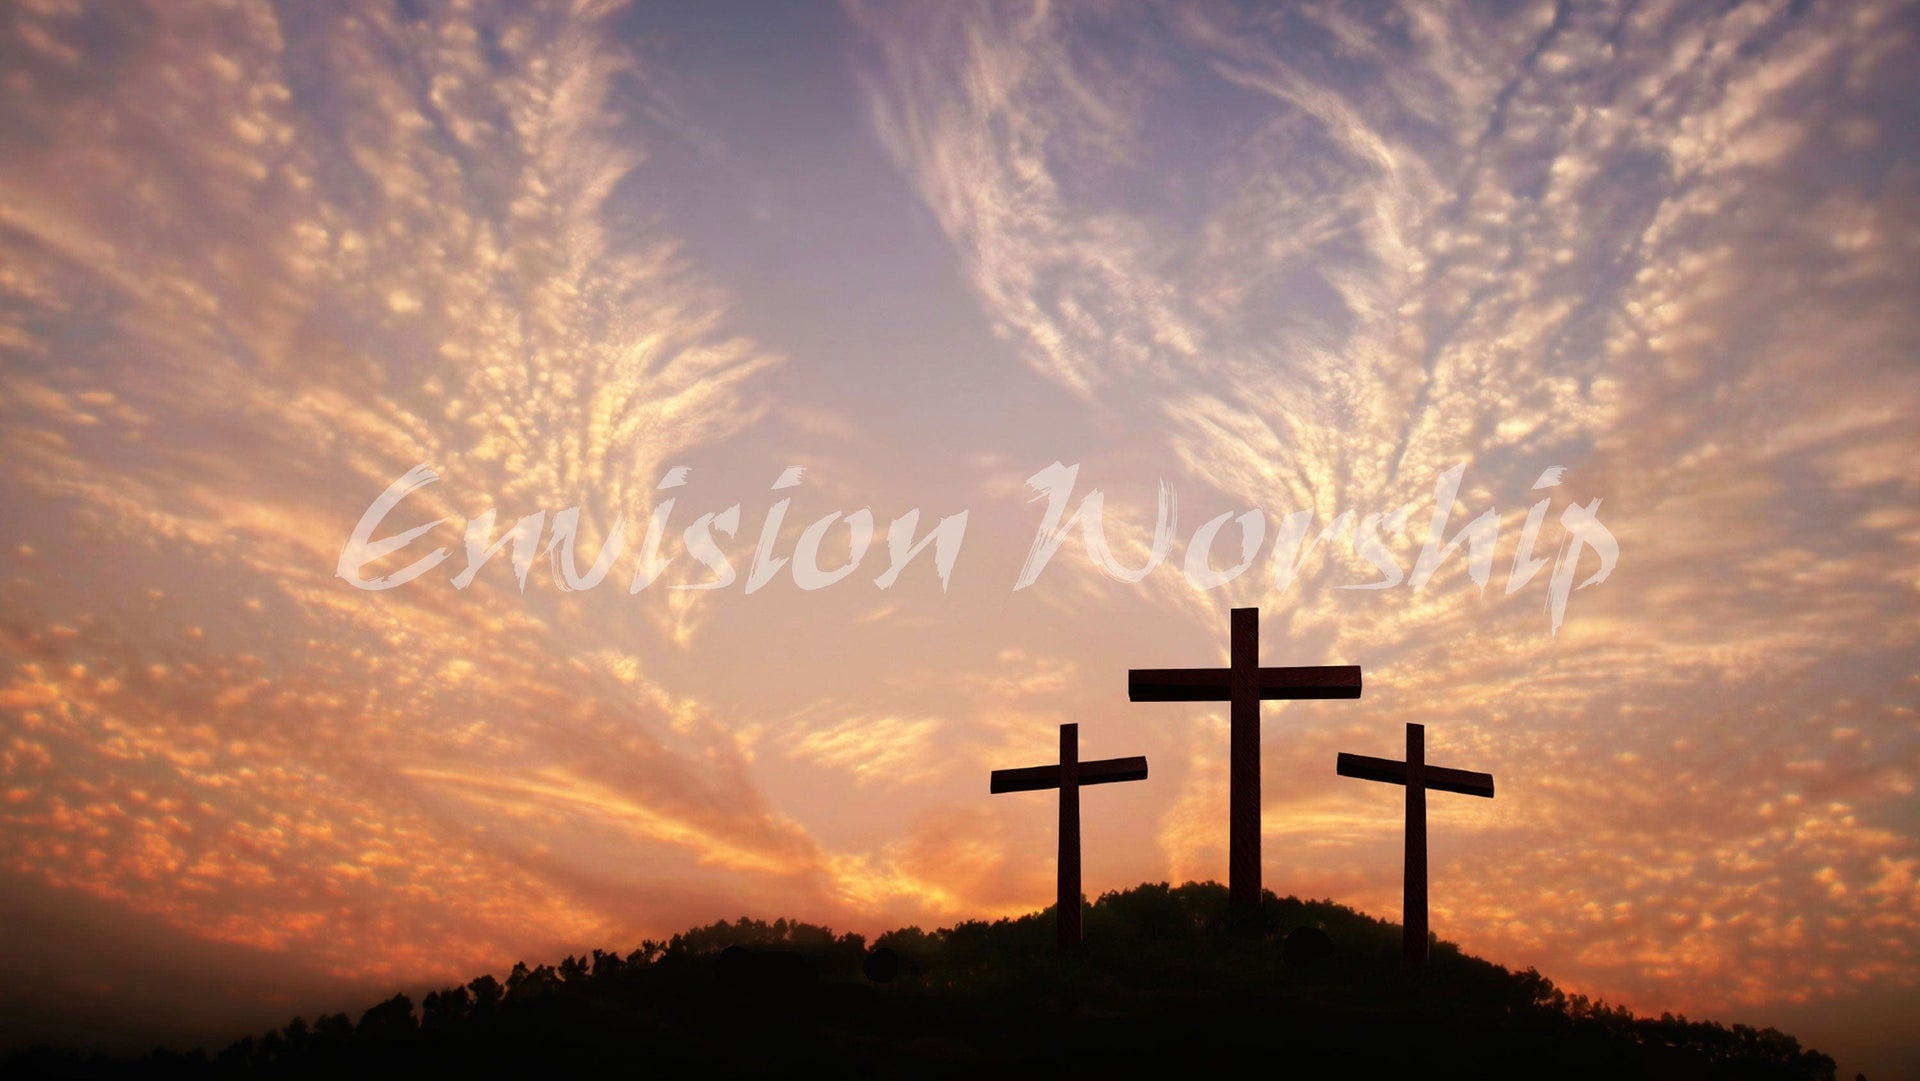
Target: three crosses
(1244, 684)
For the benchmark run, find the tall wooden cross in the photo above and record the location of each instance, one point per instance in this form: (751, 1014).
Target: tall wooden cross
(1418, 777)
(1244, 684)
(1068, 776)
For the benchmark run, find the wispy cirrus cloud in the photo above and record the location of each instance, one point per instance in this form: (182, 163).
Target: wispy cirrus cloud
(276, 260)
(1321, 257)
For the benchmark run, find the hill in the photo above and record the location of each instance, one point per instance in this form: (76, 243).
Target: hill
(1163, 983)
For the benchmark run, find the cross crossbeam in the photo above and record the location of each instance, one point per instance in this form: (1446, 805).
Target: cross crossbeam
(1216, 684)
(1035, 778)
(1438, 778)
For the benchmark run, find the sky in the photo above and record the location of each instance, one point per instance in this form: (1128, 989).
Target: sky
(690, 306)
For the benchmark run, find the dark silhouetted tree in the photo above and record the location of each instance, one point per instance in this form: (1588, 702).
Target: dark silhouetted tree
(487, 994)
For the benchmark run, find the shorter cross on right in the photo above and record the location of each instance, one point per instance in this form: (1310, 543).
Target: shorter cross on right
(1418, 777)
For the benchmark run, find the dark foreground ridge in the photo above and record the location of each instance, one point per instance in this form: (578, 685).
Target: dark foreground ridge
(1162, 983)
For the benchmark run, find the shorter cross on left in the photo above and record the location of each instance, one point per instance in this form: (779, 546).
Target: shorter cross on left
(1068, 776)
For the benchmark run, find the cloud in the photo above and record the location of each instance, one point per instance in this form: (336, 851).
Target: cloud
(272, 263)
(1320, 258)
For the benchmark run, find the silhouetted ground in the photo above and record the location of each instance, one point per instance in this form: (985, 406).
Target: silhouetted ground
(1161, 984)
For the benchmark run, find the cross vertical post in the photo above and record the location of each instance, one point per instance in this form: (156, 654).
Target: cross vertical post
(1067, 897)
(1243, 738)
(1413, 889)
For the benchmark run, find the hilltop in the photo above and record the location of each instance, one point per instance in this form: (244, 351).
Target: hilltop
(1161, 983)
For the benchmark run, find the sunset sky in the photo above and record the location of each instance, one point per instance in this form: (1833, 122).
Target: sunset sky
(258, 262)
